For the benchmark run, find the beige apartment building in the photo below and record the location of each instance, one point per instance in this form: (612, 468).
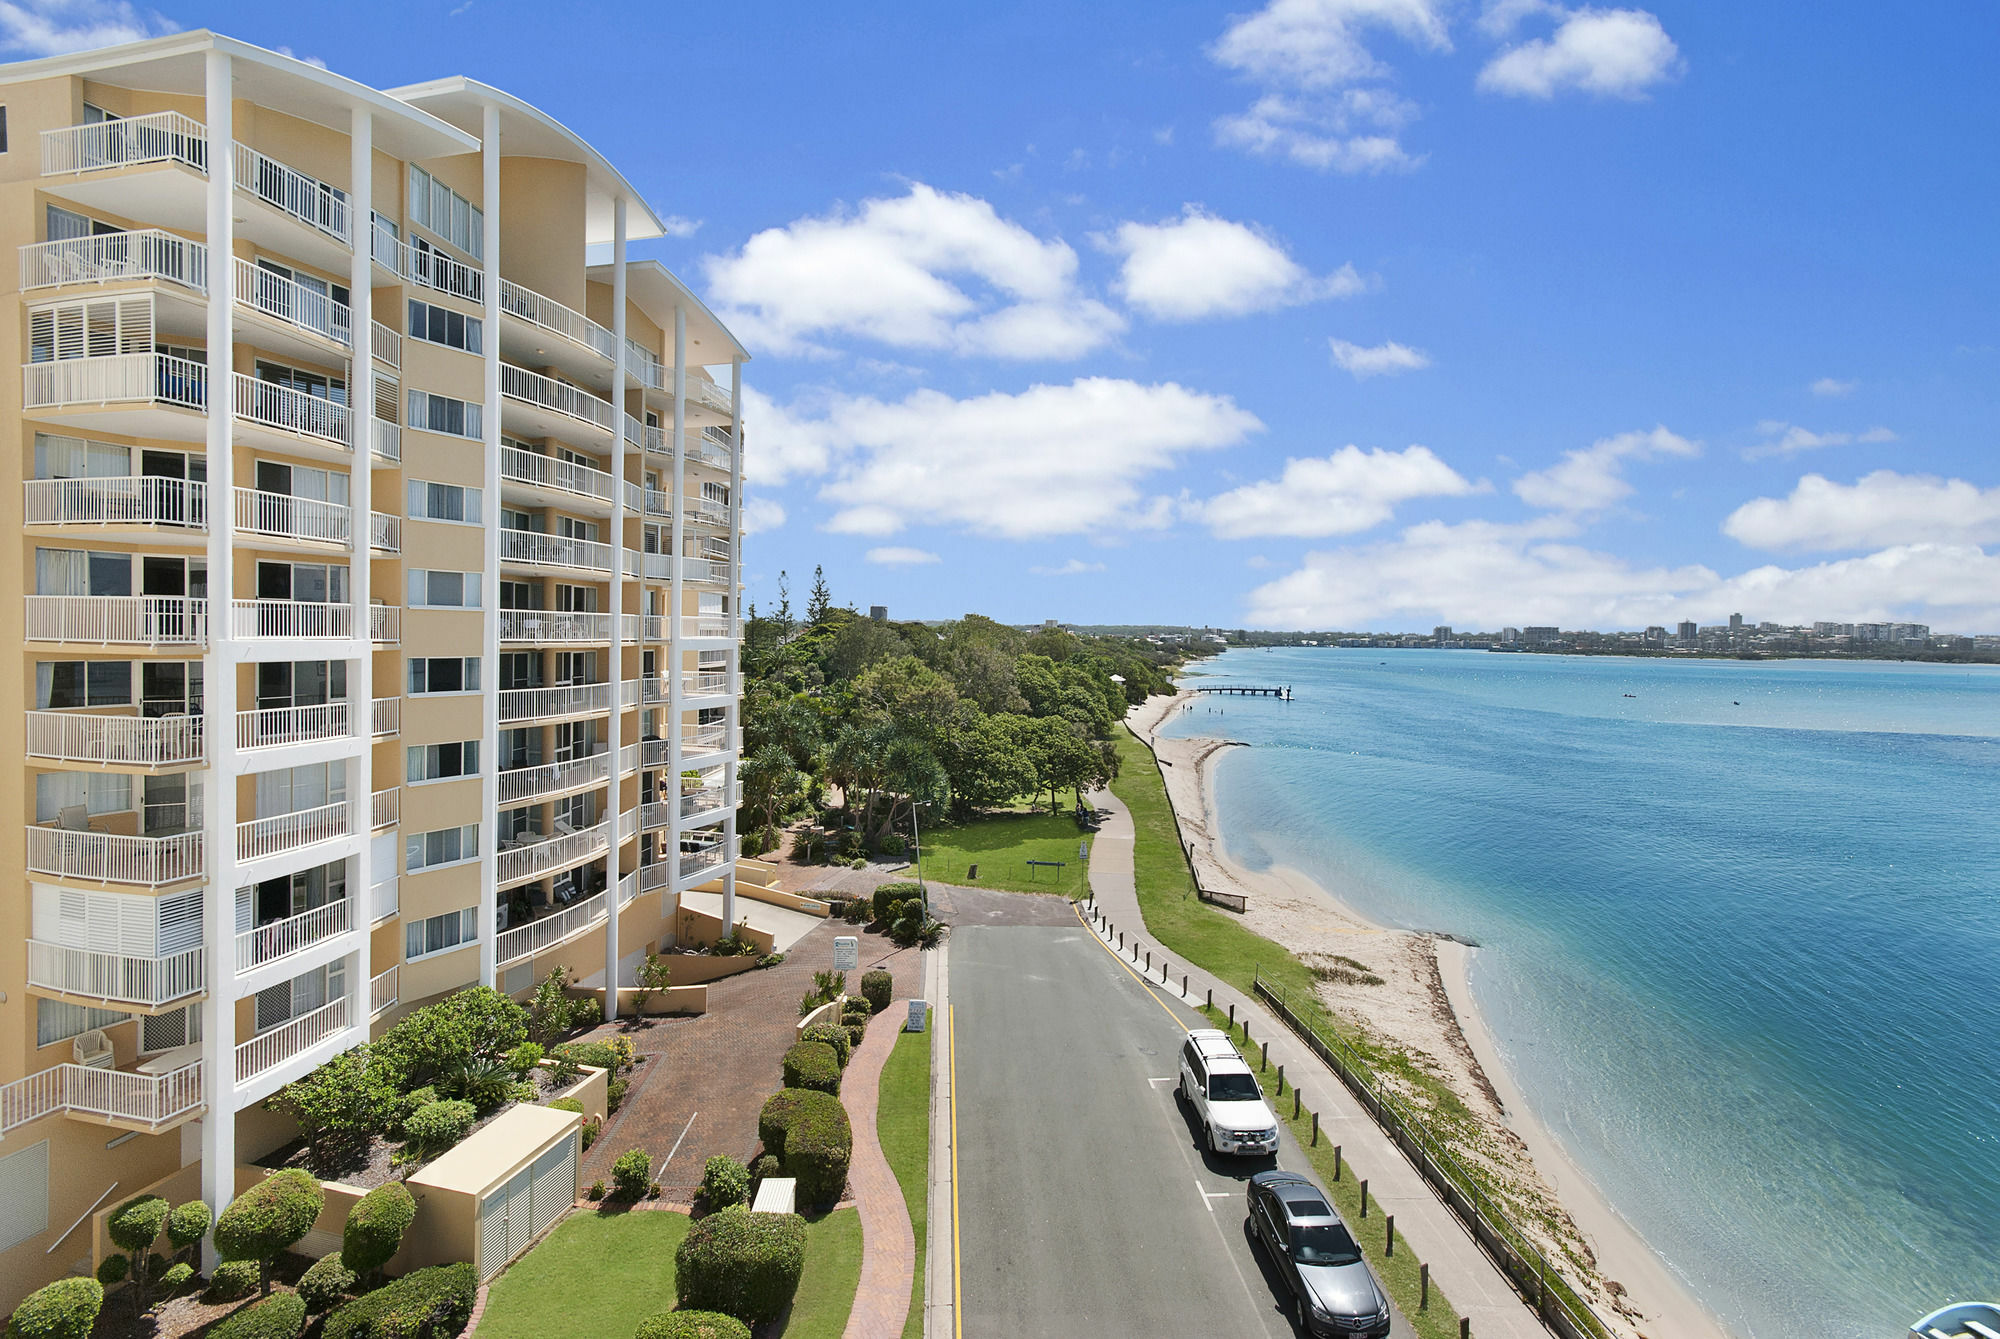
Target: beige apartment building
(375, 603)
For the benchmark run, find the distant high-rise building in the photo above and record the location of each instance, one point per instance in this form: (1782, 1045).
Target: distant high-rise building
(1656, 636)
(1687, 631)
(1443, 633)
(1736, 622)
(879, 612)
(1510, 635)
(1540, 636)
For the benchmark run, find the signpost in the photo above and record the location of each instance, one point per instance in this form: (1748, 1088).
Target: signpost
(918, 1011)
(846, 953)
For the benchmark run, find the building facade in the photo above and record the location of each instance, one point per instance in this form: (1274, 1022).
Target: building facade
(376, 618)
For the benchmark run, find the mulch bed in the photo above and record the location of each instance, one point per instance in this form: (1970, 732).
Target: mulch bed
(185, 1315)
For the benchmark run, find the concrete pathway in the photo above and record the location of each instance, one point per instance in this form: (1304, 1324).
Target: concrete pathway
(888, 1244)
(786, 927)
(1459, 1268)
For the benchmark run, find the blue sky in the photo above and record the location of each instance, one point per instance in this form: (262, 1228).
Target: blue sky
(1329, 313)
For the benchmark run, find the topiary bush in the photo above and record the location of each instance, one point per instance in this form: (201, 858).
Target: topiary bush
(177, 1277)
(65, 1309)
(234, 1279)
(111, 1270)
(856, 1033)
(812, 1064)
(876, 987)
(327, 1283)
(374, 1229)
(435, 1127)
(743, 1264)
(279, 1317)
(819, 1147)
(432, 1303)
(692, 1325)
(267, 1218)
(631, 1174)
(188, 1224)
(133, 1227)
(886, 896)
(834, 1035)
(724, 1182)
(784, 1108)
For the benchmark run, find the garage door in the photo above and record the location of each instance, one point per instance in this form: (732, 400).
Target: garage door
(554, 1185)
(511, 1215)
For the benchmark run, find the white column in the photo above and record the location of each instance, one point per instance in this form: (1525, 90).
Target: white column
(219, 669)
(361, 495)
(489, 681)
(735, 597)
(673, 628)
(612, 859)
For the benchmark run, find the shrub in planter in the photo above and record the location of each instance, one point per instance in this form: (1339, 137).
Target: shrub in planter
(743, 1264)
(327, 1283)
(65, 1309)
(876, 987)
(428, 1044)
(596, 1191)
(692, 1325)
(818, 1148)
(631, 1174)
(567, 1104)
(886, 896)
(523, 1058)
(432, 1303)
(591, 1129)
(812, 1064)
(724, 1182)
(267, 1218)
(614, 1095)
(177, 1277)
(438, 1125)
(856, 1033)
(279, 1317)
(374, 1229)
(834, 1035)
(233, 1279)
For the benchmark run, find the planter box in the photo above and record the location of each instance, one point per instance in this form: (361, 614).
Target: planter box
(589, 1090)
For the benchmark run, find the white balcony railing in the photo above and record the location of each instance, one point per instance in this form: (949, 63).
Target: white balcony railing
(116, 257)
(705, 511)
(119, 378)
(645, 368)
(257, 838)
(650, 566)
(523, 784)
(386, 716)
(524, 941)
(122, 620)
(555, 318)
(548, 472)
(385, 532)
(126, 500)
(699, 858)
(290, 618)
(539, 550)
(307, 199)
(385, 344)
(654, 815)
(294, 934)
(381, 992)
(710, 396)
(518, 383)
(384, 899)
(704, 738)
(281, 517)
(108, 857)
(146, 741)
(276, 406)
(386, 807)
(540, 857)
(385, 624)
(151, 1100)
(702, 801)
(158, 137)
(659, 874)
(708, 625)
(432, 269)
(705, 571)
(267, 1050)
(292, 302)
(115, 978)
(385, 440)
(541, 704)
(704, 683)
(532, 626)
(276, 727)
(709, 450)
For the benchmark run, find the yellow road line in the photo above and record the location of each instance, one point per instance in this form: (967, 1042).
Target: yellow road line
(951, 1059)
(1120, 960)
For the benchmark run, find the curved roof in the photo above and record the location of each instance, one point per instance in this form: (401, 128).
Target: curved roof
(654, 290)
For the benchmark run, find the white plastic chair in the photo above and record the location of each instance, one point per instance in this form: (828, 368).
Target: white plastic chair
(93, 1049)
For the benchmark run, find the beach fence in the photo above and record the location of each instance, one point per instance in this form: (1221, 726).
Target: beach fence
(1554, 1300)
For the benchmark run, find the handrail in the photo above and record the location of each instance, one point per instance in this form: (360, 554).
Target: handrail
(533, 547)
(571, 699)
(519, 383)
(385, 344)
(116, 257)
(307, 199)
(281, 516)
(292, 302)
(292, 618)
(276, 834)
(548, 472)
(432, 269)
(156, 137)
(276, 727)
(278, 406)
(109, 857)
(127, 620)
(116, 978)
(269, 1049)
(294, 934)
(79, 1222)
(116, 378)
(538, 936)
(118, 500)
(96, 737)
(385, 532)
(554, 317)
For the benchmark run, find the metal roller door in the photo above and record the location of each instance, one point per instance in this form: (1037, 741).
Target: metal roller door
(513, 1214)
(554, 1185)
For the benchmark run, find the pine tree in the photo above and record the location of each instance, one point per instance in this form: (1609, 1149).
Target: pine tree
(783, 617)
(820, 602)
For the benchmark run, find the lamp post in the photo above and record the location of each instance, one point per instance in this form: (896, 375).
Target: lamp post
(917, 843)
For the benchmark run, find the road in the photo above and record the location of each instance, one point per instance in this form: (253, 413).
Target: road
(1088, 1205)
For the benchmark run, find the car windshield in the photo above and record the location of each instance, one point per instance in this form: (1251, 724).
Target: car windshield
(1324, 1244)
(1232, 1088)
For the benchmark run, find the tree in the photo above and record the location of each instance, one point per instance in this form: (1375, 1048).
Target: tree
(860, 643)
(338, 1105)
(983, 762)
(770, 782)
(267, 1218)
(134, 1226)
(1060, 755)
(819, 601)
(783, 618)
(654, 974)
(476, 1024)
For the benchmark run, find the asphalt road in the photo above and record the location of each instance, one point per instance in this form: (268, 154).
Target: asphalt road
(1088, 1204)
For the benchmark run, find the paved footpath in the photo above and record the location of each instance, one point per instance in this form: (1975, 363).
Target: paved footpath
(888, 1244)
(1458, 1266)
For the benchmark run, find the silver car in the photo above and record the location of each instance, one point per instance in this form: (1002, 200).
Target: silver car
(1336, 1291)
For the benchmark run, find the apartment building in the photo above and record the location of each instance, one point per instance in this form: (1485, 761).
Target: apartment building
(376, 603)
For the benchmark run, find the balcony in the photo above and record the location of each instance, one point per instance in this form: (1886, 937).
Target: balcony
(537, 936)
(143, 500)
(385, 624)
(652, 816)
(386, 345)
(293, 412)
(296, 619)
(381, 993)
(108, 857)
(386, 808)
(649, 566)
(703, 857)
(385, 441)
(293, 304)
(708, 395)
(279, 834)
(701, 739)
(130, 741)
(542, 855)
(559, 476)
(704, 683)
(383, 898)
(386, 715)
(279, 516)
(429, 269)
(550, 407)
(708, 800)
(116, 258)
(652, 501)
(277, 727)
(705, 511)
(545, 314)
(149, 392)
(149, 1102)
(709, 626)
(117, 620)
(385, 532)
(161, 137)
(544, 627)
(307, 199)
(651, 690)
(273, 940)
(532, 549)
(115, 978)
(268, 1050)
(526, 785)
(644, 368)
(705, 571)
(518, 705)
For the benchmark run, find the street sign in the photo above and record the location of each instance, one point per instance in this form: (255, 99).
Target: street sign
(846, 953)
(918, 1009)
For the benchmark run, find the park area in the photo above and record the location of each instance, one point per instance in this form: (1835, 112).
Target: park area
(1020, 850)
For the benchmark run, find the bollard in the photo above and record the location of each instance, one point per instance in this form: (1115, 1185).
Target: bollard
(1149, 962)
(1232, 1012)
(1364, 1197)
(1121, 941)
(1211, 997)
(1295, 1101)
(1423, 1287)
(1389, 1238)
(1265, 1063)
(1465, 1327)
(1183, 983)
(1281, 1079)
(1336, 1162)
(1316, 1130)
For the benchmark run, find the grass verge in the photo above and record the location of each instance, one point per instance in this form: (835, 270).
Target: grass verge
(1001, 844)
(628, 1258)
(903, 1125)
(833, 1275)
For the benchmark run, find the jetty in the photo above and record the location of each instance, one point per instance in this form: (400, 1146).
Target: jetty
(1283, 692)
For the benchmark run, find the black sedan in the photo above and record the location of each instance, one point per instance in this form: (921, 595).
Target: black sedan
(1336, 1292)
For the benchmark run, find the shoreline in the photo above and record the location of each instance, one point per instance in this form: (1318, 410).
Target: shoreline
(1412, 992)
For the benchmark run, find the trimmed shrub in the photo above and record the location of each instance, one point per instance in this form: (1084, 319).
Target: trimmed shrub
(743, 1264)
(724, 1182)
(812, 1064)
(327, 1283)
(477, 1023)
(607, 1055)
(834, 1035)
(112, 1269)
(524, 1057)
(766, 1167)
(267, 1218)
(432, 1303)
(819, 1146)
(596, 1191)
(375, 1227)
(631, 1173)
(65, 1309)
(876, 987)
(895, 844)
(856, 1033)
(188, 1224)
(591, 1129)
(886, 896)
(279, 1317)
(567, 1104)
(784, 1108)
(435, 1127)
(692, 1325)
(177, 1277)
(614, 1094)
(133, 1228)
(233, 1279)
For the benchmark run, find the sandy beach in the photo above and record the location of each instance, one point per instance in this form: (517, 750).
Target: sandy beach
(1410, 991)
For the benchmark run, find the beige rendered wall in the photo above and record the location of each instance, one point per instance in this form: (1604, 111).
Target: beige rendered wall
(541, 227)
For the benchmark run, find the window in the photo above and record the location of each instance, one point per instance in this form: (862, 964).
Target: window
(443, 762)
(24, 1191)
(441, 325)
(82, 683)
(75, 458)
(423, 938)
(444, 674)
(445, 502)
(96, 792)
(444, 590)
(441, 413)
(57, 1020)
(446, 213)
(3, 143)
(81, 572)
(446, 846)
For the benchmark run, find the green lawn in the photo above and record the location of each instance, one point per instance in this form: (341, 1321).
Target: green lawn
(1001, 844)
(596, 1274)
(903, 1124)
(833, 1274)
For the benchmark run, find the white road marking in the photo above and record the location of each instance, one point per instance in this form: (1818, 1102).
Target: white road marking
(1165, 1080)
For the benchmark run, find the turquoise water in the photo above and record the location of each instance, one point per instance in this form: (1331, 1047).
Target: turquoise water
(1740, 938)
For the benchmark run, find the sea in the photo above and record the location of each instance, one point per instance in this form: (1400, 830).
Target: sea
(1738, 928)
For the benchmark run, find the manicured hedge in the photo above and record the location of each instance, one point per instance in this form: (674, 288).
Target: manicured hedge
(631, 1174)
(268, 1217)
(177, 1277)
(692, 1325)
(279, 1316)
(889, 894)
(812, 1064)
(326, 1283)
(744, 1264)
(65, 1309)
(430, 1303)
(437, 1126)
(819, 1146)
(724, 1182)
(834, 1035)
(876, 987)
(614, 1055)
(785, 1108)
(375, 1227)
(233, 1279)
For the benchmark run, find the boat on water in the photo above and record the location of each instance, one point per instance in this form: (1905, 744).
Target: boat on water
(1960, 1320)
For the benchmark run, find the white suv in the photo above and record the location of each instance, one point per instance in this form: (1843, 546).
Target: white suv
(1224, 1093)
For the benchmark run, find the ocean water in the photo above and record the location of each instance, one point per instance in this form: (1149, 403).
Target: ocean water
(1739, 928)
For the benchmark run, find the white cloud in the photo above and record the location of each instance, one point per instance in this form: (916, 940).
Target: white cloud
(1378, 361)
(787, 444)
(761, 515)
(926, 270)
(1074, 567)
(1051, 460)
(679, 225)
(1593, 478)
(1350, 133)
(1616, 53)
(1834, 387)
(1342, 494)
(1880, 510)
(901, 557)
(31, 28)
(1198, 266)
(1788, 439)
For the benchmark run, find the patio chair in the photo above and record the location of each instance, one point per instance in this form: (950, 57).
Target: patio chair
(93, 1049)
(73, 818)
